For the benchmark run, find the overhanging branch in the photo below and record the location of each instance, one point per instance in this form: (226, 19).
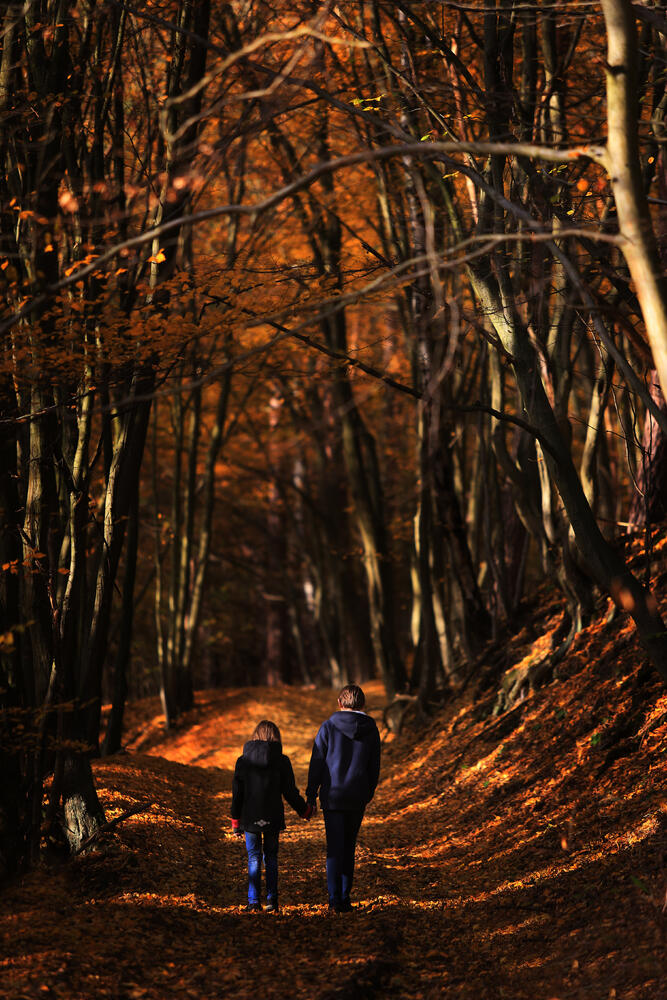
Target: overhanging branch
(419, 150)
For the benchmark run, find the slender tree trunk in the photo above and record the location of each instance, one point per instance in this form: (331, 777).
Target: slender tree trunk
(594, 432)
(166, 699)
(649, 502)
(114, 733)
(38, 510)
(428, 650)
(206, 522)
(275, 617)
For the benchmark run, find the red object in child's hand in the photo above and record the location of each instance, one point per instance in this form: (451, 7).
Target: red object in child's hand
(310, 811)
(236, 829)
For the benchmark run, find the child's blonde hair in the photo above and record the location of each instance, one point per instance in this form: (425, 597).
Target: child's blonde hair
(266, 730)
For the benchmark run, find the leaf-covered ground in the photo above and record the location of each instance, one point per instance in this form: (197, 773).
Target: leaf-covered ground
(518, 857)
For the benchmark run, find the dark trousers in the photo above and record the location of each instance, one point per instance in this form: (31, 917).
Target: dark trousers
(255, 848)
(342, 829)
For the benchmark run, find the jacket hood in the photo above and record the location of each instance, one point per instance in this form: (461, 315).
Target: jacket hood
(354, 725)
(262, 753)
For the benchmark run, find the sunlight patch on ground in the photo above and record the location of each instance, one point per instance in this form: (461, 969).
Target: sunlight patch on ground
(539, 920)
(461, 883)
(189, 901)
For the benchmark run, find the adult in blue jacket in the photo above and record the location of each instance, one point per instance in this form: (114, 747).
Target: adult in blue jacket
(344, 769)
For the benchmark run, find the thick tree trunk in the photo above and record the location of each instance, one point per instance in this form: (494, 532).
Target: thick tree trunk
(623, 164)
(83, 814)
(39, 510)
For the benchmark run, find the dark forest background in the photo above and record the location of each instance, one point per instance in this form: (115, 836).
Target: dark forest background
(332, 332)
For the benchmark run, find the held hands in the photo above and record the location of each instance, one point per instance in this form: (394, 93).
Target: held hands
(311, 809)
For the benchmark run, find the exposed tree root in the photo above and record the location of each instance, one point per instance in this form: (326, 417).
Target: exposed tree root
(393, 716)
(112, 823)
(523, 680)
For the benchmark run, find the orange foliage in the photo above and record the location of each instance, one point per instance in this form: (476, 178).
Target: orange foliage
(510, 858)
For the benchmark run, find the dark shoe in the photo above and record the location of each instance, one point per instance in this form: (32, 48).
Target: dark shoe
(271, 907)
(345, 906)
(252, 908)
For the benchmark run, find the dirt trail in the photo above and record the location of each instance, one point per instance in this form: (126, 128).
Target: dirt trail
(491, 865)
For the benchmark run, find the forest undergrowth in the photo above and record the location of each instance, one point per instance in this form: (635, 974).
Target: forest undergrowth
(518, 856)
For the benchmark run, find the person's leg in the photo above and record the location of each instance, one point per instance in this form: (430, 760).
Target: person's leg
(352, 823)
(271, 866)
(334, 827)
(253, 843)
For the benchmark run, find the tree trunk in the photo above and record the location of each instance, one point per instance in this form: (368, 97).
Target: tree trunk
(114, 733)
(649, 502)
(428, 654)
(83, 814)
(623, 164)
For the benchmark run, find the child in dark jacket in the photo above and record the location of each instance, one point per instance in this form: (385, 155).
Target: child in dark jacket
(263, 775)
(344, 769)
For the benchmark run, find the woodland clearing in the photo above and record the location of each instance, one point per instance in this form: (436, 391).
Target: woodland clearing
(513, 857)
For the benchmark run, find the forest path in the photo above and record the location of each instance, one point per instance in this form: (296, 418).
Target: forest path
(484, 871)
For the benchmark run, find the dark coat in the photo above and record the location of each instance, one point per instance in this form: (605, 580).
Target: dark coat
(261, 777)
(345, 763)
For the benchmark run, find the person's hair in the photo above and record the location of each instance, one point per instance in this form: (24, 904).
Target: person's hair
(353, 697)
(266, 730)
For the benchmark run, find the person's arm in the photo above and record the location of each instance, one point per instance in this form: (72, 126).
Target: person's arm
(317, 762)
(237, 795)
(289, 789)
(374, 762)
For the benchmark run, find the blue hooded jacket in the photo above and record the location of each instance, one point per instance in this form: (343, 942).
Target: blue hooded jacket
(345, 763)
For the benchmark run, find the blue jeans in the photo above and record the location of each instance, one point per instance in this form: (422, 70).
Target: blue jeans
(342, 828)
(253, 843)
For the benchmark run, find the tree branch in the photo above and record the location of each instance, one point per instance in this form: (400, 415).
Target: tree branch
(420, 150)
